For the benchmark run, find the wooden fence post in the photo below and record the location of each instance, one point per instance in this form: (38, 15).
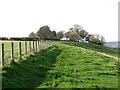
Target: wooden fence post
(20, 51)
(52, 43)
(45, 43)
(41, 44)
(12, 51)
(33, 46)
(2, 54)
(30, 46)
(49, 43)
(36, 45)
(25, 47)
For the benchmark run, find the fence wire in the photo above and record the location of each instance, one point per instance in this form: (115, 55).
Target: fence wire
(27, 48)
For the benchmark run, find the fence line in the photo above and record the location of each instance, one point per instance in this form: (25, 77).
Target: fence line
(2, 55)
(12, 52)
(20, 50)
(29, 47)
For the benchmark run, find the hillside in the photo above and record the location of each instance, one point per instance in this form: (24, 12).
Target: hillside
(94, 47)
(65, 65)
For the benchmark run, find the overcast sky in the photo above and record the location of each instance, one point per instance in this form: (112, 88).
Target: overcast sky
(20, 17)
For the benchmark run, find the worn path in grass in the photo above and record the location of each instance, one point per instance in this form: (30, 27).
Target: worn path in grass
(63, 66)
(98, 48)
(103, 50)
(104, 54)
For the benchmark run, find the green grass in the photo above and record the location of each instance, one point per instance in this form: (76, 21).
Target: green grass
(31, 71)
(62, 66)
(98, 48)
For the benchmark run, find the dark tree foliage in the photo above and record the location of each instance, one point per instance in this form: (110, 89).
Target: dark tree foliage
(32, 35)
(83, 33)
(59, 34)
(44, 32)
(54, 34)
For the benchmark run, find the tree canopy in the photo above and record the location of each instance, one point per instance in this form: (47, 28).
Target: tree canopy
(44, 32)
(32, 35)
(75, 33)
(59, 35)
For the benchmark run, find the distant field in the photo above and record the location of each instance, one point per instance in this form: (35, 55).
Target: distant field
(63, 66)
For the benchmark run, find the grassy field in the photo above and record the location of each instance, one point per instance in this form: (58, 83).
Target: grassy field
(62, 66)
(94, 47)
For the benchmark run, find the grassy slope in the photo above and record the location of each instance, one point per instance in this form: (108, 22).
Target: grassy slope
(99, 48)
(31, 71)
(62, 66)
(78, 68)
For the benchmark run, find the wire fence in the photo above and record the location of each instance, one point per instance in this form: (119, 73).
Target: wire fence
(12, 51)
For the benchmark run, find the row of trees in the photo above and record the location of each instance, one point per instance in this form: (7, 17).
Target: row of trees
(43, 33)
(75, 33)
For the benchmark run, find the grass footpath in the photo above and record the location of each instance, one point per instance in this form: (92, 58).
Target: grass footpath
(99, 48)
(62, 66)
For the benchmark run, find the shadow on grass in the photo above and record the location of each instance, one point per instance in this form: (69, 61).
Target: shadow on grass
(30, 72)
(99, 48)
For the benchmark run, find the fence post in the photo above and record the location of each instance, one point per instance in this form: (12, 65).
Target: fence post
(30, 46)
(36, 45)
(33, 46)
(52, 43)
(12, 51)
(45, 43)
(49, 43)
(40, 44)
(20, 51)
(2, 54)
(25, 47)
